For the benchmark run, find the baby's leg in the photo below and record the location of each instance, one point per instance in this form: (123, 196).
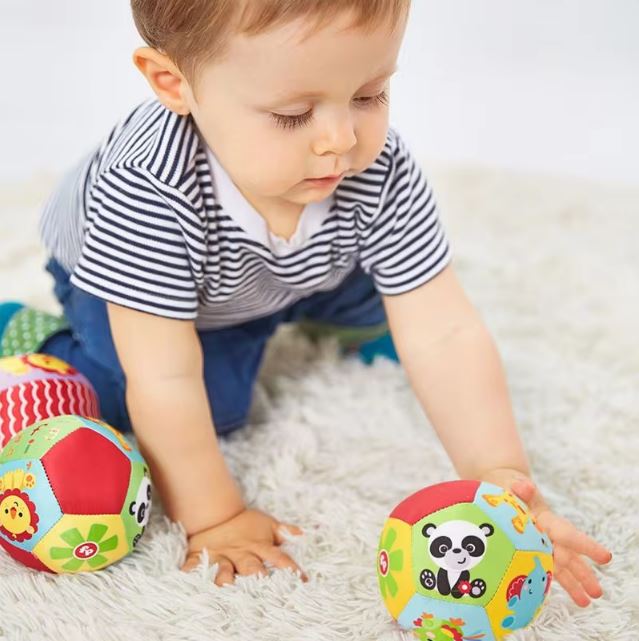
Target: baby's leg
(232, 357)
(353, 313)
(88, 346)
(81, 337)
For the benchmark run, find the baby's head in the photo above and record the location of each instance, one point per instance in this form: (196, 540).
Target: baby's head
(280, 90)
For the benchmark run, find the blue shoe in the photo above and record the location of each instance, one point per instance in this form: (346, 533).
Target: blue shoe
(7, 310)
(354, 340)
(382, 346)
(24, 329)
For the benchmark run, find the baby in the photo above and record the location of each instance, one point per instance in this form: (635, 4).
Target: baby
(263, 185)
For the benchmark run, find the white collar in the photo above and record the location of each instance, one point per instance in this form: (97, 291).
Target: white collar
(235, 205)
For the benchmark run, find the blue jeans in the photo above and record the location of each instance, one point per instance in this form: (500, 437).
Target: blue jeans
(232, 355)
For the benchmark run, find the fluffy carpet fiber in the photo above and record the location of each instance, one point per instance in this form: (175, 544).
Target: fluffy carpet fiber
(333, 445)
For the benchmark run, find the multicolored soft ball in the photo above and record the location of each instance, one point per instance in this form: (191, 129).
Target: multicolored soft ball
(37, 386)
(74, 495)
(463, 560)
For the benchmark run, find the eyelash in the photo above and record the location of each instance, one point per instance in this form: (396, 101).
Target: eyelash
(292, 122)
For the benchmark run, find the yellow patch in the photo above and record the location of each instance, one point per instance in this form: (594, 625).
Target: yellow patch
(50, 363)
(14, 365)
(394, 565)
(522, 564)
(69, 542)
(15, 516)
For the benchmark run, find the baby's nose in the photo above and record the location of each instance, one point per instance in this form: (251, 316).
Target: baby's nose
(456, 550)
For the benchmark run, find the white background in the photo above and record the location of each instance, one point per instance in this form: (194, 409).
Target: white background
(546, 85)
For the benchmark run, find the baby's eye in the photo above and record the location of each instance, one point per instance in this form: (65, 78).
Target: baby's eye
(292, 122)
(381, 98)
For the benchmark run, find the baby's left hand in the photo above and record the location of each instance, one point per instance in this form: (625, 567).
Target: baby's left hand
(571, 570)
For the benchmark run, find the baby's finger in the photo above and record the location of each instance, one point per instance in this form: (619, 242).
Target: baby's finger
(284, 527)
(192, 561)
(566, 558)
(569, 583)
(585, 575)
(594, 550)
(279, 559)
(225, 570)
(564, 532)
(248, 563)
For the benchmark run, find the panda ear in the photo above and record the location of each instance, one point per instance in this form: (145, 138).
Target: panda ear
(487, 529)
(427, 529)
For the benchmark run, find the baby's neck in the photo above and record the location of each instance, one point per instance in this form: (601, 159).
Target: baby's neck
(283, 224)
(281, 218)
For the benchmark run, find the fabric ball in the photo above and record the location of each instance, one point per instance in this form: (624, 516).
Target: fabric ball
(75, 495)
(463, 560)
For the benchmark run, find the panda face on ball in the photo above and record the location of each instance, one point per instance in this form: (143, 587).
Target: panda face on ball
(140, 509)
(457, 545)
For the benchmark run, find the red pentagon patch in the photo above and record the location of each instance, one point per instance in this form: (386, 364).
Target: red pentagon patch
(87, 473)
(433, 498)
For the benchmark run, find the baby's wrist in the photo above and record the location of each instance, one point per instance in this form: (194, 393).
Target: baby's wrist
(213, 524)
(220, 513)
(504, 476)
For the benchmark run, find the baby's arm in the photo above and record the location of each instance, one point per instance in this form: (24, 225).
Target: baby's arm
(169, 411)
(455, 370)
(454, 367)
(171, 417)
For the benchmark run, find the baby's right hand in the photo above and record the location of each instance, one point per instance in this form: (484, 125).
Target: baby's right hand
(241, 545)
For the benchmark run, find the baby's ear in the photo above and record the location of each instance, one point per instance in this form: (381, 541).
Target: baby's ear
(164, 78)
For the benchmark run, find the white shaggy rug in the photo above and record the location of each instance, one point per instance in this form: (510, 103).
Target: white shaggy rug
(333, 446)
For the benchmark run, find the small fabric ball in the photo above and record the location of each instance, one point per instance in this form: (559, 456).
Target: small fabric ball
(463, 560)
(75, 495)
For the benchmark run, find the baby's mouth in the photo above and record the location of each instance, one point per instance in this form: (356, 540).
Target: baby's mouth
(461, 562)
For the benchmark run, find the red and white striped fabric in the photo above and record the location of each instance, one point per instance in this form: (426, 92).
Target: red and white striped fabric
(37, 386)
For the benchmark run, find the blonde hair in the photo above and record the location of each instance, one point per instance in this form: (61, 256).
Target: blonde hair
(194, 32)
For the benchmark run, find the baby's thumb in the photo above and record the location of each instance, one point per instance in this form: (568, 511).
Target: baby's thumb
(524, 488)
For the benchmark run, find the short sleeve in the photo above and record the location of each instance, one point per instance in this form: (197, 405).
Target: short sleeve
(139, 247)
(406, 244)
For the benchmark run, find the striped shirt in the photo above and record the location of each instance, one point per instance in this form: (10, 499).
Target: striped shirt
(151, 221)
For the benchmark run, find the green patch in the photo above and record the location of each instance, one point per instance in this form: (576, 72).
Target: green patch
(489, 568)
(28, 329)
(34, 441)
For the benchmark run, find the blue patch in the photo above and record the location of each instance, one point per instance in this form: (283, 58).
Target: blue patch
(7, 310)
(530, 599)
(490, 498)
